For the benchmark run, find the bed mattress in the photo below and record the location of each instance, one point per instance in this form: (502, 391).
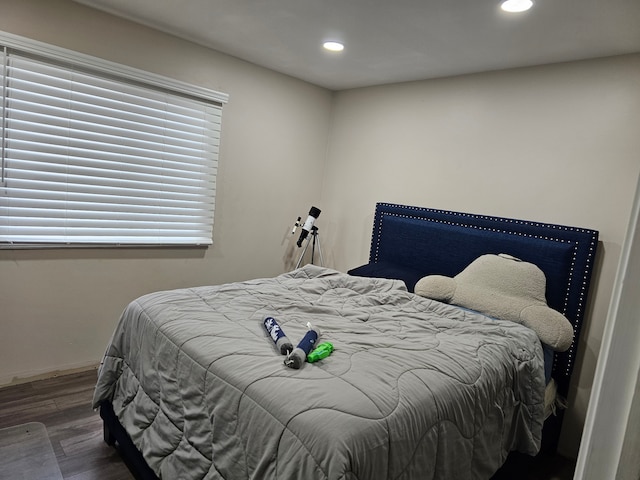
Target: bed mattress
(414, 389)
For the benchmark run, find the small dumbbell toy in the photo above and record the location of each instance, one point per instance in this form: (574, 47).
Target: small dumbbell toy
(277, 335)
(296, 358)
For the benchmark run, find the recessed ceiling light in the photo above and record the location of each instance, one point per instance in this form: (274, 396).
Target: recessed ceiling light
(333, 46)
(516, 6)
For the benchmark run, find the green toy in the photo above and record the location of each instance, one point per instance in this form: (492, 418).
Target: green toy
(321, 351)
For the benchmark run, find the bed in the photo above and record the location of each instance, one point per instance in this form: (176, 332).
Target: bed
(191, 386)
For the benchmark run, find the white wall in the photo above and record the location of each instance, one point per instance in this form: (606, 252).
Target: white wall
(555, 144)
(58, 308)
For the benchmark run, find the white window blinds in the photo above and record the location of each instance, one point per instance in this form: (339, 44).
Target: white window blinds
(89, 158)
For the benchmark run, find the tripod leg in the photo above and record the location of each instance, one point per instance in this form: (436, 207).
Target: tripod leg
(320, 250)
(303, 252)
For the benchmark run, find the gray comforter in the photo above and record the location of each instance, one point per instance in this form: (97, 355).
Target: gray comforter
(415, 389)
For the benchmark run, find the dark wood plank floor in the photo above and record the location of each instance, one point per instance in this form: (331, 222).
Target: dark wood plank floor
(63, 405)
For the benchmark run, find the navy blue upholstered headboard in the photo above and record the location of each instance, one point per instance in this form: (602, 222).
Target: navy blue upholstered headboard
(410, 242)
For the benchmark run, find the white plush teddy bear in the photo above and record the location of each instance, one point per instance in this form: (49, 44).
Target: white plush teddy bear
(503, 287)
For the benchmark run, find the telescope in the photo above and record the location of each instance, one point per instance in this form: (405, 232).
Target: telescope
(308, 228)
(314, 213)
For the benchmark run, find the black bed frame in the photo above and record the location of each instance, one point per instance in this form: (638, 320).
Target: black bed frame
(410, 242)
(116, 436)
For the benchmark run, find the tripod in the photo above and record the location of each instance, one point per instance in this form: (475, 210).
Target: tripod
(316, 239)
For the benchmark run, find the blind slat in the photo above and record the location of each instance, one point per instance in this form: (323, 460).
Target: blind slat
(123, 200)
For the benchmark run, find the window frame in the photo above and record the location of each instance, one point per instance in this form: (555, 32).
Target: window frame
(56, 55)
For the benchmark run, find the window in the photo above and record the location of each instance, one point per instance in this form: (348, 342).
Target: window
(95, 153)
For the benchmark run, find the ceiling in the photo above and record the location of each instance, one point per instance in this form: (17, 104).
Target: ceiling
(394, 40)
